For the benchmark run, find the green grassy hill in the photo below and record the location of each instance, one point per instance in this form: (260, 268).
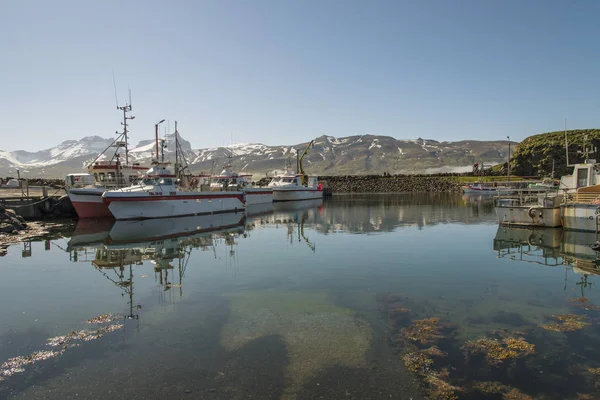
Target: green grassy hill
(534, 155)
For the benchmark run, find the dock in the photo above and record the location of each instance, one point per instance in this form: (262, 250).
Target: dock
(37, 202)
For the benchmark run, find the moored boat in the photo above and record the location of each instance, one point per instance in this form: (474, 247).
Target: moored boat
(85, 190)
(164, 192)
(231, 180)
(529, 210)
(159, 196)
(299, 186)
(581, 210)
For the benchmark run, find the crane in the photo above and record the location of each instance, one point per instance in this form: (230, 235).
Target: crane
(303, 176)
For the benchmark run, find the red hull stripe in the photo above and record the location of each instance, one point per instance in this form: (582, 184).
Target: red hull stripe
(108, 200)
(296, 190)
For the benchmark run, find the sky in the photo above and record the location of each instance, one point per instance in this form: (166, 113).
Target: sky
(284, 72)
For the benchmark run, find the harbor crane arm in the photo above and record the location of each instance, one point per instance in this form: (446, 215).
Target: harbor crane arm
(303, 175)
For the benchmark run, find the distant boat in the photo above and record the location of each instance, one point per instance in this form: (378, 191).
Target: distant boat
(549, 184)
(480, 188)
(299, 186)
(231, 180)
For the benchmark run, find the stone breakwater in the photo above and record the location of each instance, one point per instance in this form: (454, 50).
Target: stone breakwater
(392, 184)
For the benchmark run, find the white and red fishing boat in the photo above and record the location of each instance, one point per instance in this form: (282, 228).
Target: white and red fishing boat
(231, 180)
(85, 190)
(298, 186)
(166, 193)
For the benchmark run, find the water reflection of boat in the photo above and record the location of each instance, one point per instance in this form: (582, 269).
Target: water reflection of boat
(254, 210)
(158, 229)
(90, 232)
(290, 206)
(529, 244)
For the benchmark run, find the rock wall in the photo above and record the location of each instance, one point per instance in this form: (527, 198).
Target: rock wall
(388, 183)
(392, 184)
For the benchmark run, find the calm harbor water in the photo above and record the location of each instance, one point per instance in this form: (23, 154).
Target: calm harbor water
(358, 297)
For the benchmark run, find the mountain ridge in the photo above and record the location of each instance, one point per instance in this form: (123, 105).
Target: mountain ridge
(356, 154)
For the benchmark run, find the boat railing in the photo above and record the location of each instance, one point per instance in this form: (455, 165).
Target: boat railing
(519, 197)
(582, 198)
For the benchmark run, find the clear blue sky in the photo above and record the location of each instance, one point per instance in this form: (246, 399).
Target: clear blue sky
(282, 71)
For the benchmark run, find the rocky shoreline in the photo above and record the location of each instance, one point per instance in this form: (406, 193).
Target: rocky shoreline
(392, 184)
(14, 229)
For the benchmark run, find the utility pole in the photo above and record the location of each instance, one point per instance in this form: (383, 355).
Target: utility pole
(508, 137)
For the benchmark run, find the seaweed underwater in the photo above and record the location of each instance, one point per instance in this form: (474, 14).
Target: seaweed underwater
(536, 361)
(60, 344)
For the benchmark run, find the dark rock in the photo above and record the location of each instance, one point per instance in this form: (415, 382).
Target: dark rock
(6, 227)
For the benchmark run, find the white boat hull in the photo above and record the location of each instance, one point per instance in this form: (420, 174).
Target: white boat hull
(282, 194)
(132, 205)
(258, 196)
(580, 217)
(529, 216)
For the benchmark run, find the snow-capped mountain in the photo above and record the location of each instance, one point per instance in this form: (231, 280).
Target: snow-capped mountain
(364, 154)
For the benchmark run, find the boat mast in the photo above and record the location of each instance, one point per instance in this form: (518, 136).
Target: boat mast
(126, 108)
(567, 145)
(176, 152)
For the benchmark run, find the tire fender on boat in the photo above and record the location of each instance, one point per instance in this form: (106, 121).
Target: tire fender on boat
(534, 212)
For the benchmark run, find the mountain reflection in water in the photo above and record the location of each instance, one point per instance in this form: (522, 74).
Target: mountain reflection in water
(366, 297)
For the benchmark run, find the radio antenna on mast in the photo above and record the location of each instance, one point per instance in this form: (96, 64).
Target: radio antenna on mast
(126, 108)
(115, 86)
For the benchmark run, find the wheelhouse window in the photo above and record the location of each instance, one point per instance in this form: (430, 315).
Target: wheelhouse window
(149, 182)
(288, 180)
(165, 181)
(582, 177)
(102, 176)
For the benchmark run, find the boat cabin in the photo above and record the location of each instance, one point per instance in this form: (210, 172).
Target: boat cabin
(294, 180)
(585, 174)
(230, 179)
(113, 173)
(79, 180)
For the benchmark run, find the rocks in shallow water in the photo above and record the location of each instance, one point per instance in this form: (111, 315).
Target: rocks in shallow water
(10, 222)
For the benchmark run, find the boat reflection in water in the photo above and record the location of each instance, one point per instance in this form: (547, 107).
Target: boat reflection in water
(550, 246)
(529, 244)
(166, 244)
(152, 230)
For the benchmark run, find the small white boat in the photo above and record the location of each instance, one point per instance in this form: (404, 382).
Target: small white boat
(231, 180)
(299, 186)
(527, 210)
(480, 188)
(159, 196)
